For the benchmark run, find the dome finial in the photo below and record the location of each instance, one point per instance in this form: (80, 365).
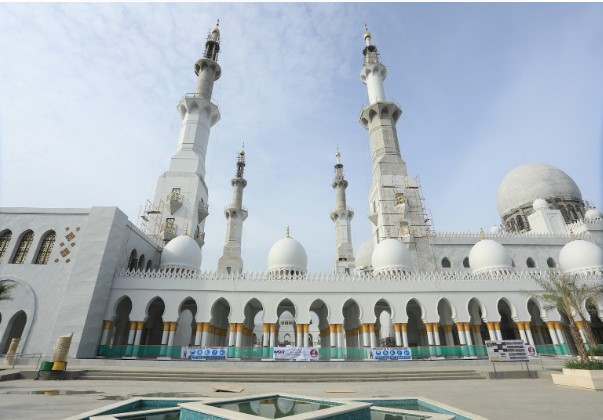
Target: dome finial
(338, 155)
(186, 230)
(287, 233)
(572, 235)
(482, 234)
(367, 35)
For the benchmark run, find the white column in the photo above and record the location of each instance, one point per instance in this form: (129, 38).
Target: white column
(552, 332)
(105, 337)
(404, 327)
(138, 335)
(429, 328)
(132, 332)
(172, 333)
(522, 335)
(239, 336)
(198, 333)
(266, 335)
(529, 334)
(398, 334)
(306, 336)
(205, 336)
(272, 334)
(560, 334)
(366, 340)
(498, 334)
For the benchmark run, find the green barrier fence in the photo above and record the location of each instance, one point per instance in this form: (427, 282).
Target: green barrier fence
(325, 353)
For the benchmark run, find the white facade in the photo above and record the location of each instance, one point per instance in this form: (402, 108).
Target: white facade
(108, 282)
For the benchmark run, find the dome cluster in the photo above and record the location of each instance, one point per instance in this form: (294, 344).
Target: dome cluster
(181, 252)
(490, 256)
(391, 257)
(582, 257)
(287, 257)
(532, 181)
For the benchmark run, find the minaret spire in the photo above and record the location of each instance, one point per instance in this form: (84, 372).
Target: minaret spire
(394, 198)
(181, 195)
(342, 216)
(231, 261)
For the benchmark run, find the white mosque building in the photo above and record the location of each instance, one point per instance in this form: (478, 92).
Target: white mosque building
(135, 291)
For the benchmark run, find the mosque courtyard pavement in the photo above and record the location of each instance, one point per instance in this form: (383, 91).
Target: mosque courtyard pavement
(490, 398)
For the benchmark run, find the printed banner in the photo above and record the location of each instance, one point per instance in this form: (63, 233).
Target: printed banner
(392, 353)
(295, 353)
(198, 353)
(531, 350)
(507, 351)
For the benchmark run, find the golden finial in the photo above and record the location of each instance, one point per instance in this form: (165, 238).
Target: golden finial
(367, 34)
(216, 29)
(287, 233)
(482, 234)
(186, 229)
(572, 235)
(242, 151)
(338, 155)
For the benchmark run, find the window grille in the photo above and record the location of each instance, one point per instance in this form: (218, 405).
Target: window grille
(46, 248)
(4, 241)
(23, 249)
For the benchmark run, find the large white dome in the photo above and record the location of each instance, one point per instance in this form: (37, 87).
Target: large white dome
(391, 255)
(287, 254)
(580, 256)
(364, 254)
(181, 252)
(531, 181)
(489, 255)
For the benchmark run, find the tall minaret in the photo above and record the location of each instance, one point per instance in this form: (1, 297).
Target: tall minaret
(231, 261)
(342, 216)
(396, 209)
(180, 203)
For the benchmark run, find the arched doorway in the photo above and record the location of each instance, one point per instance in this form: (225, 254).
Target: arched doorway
(351, 320)
(384, 329)
(14, 329)
(479, 329)
(186, 325)
(286, 325)
(253, 324)
(319, 315)
(153, 327)
(219, 323)
(447, 333)
(508, 327)
(416, 331)
(121, 322)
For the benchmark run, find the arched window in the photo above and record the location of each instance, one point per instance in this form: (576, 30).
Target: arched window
(4, 241)
(446, 263)
(551, 262)
(46, 248)
(565, 214)
(466, 262)
(23, 249)
(141, 261)
(520, 224)
(149, 265)
(513, 263)
(572, 211)
(133, 260)
(530, 263)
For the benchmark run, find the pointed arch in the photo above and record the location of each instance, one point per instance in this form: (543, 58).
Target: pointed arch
(23, 248)
(45, 248)
(5, 238)
(133, 260)
(416, 331)
(14, 329)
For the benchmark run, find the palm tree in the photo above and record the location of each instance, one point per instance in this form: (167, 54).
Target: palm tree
(5, 288)
(562, 292)
(584, 293)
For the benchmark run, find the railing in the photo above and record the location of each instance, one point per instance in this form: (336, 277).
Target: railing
(26, 356)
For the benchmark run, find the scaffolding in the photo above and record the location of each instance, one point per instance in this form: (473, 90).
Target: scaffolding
(149, 220)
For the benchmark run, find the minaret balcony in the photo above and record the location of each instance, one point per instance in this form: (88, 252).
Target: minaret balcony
(346, 214)
(168, 231)
(202, 102)
(202, 211)
(380, 110)
(231, 212)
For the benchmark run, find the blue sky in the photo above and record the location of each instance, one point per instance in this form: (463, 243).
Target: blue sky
(88, 96)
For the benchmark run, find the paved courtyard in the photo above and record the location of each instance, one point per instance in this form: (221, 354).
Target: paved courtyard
(494, 399)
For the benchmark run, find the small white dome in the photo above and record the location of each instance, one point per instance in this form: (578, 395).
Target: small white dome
(287, 254)
(496, 230)
(539, 204)
(580, 256)
(391, 254)
(181, 252)
(364, 254)
(489, 255)
(530, 181)
(593, 214)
